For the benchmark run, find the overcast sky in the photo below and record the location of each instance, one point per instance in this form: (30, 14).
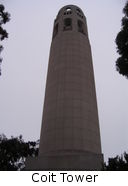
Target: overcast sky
(25, 62)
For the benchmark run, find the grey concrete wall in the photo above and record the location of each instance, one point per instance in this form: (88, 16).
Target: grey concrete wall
(73, 162)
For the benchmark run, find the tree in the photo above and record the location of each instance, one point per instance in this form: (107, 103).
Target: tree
(4, 18)
(118, 163)
(122, 45)
(14, 151)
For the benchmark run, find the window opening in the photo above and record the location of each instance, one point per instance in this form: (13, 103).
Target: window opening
(78, 10)
(68, 9)
(81, 27)
(79, 13)
(68, 24)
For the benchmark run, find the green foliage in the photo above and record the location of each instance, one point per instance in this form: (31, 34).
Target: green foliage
(14, 151)
(122, 45)
(4, 18)
(117, 163)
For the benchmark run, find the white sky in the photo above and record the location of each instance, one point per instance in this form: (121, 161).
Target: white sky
(25, 61)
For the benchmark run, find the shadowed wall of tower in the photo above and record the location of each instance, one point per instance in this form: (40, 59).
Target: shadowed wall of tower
(70, 126)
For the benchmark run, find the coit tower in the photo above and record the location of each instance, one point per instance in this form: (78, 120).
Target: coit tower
(70, 135)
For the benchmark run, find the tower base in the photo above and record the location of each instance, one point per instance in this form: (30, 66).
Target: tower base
(69, 162)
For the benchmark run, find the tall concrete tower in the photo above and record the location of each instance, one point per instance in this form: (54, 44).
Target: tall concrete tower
(70, 136)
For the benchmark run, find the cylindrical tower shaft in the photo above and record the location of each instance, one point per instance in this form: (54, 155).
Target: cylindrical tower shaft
(70, 136)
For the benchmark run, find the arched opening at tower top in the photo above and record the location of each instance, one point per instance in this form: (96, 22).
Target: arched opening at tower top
(81, 27)
(67, 24)
(68, 9)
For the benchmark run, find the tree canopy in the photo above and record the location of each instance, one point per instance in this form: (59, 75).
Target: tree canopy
(14, 151)
(122, 44)
(118, 163)
(4, 18)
